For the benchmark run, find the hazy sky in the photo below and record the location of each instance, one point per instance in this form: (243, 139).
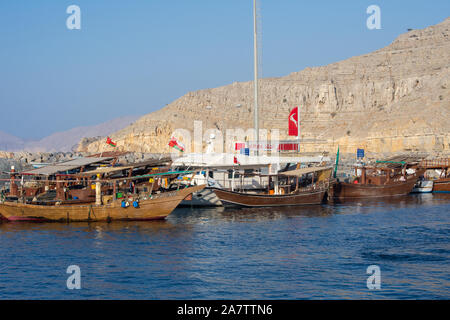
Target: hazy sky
(134, 57)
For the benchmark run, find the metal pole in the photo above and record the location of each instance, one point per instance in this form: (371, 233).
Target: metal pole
(298, 129)
(255, 111)
(98, 191)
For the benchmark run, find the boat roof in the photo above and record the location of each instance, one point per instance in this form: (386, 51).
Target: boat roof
(150, 175)
(150, 163)
(114, 154)
(401, 160)
(65, 166)
(302, 171)
(105, 170)
(226, 160)
(102, 170)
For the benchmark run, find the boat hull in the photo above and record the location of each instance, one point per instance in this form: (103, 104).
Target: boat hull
(158, 207)
(231, 198)
(424, 186)
(442, 186)
(204, 198)
(343, 191)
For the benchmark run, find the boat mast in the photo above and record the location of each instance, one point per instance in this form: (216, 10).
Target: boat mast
(298, 129)
(255, 52)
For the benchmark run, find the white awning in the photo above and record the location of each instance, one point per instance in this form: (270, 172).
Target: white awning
(65, 166)
(302, 171)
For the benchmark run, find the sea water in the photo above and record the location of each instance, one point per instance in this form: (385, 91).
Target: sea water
(313, 252)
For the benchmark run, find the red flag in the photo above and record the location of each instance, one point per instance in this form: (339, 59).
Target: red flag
(235, 160)
(239, 146)
(110, 142)
(173, 143)
(293, 122)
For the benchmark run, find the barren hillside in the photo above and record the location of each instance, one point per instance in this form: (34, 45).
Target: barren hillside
(394, 99)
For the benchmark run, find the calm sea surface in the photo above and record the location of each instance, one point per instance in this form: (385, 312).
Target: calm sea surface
(317, 252)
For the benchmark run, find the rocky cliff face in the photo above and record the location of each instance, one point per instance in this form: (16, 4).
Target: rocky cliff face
(391, 100)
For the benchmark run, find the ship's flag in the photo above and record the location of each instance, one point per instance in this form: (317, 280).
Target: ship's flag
(293, 122)
(110, 142)
(235, 160)
(173, 143)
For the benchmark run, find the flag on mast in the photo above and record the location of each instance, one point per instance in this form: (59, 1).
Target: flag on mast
(294, 126)
(173, 143)
(110, 142)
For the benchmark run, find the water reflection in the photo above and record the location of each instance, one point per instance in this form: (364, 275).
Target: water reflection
(189, 216)
(231, 214)
(92, 227)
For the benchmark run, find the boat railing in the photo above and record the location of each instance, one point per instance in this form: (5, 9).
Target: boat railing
(315, 186)
(435, 163)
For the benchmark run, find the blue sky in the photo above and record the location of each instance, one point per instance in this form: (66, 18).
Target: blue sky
(134, 57)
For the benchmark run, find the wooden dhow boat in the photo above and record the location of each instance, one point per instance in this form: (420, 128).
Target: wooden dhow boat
(157, 206)
(234, 172)
(95, 191)
(285, 189)
(392, 179)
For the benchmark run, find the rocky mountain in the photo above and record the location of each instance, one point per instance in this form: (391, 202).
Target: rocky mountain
(392, 100)
(66, 140)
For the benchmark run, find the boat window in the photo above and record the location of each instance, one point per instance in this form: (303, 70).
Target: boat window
(230, 174)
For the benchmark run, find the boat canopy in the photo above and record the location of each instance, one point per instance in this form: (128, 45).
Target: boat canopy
(65, 166)
(228, 160)
(102, 170)
(302, 171)
(151, 163)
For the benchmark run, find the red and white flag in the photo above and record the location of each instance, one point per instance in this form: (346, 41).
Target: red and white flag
(173, 143)
(235, 160)
(294, 129)
(239, 146)
(110, 142)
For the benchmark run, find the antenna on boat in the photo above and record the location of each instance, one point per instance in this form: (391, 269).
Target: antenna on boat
(255, 48)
